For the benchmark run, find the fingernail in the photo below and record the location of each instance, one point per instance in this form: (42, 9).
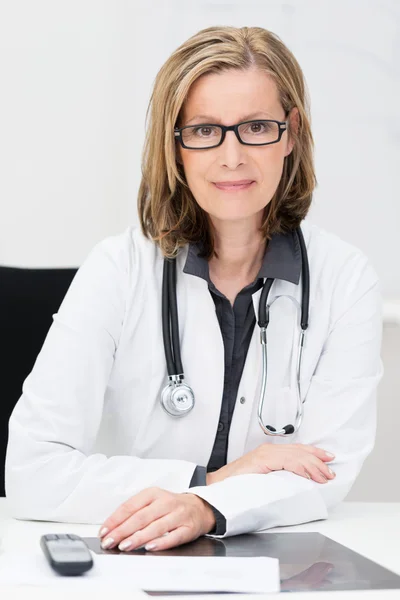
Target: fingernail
(150, 546)
(124, 545)
(107, 543)
(330, 454)
(331, 472)
(103, 531)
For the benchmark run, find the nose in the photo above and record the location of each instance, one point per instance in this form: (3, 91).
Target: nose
(231, 151)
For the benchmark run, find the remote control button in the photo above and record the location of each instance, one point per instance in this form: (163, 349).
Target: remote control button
(72, 536)
(51, 536)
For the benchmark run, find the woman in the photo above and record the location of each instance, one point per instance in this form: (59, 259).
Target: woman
(92, 438)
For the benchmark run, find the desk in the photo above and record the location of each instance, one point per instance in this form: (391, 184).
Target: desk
(372, 529)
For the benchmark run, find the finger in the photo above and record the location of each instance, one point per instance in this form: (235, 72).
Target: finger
(135, 523)
(155, 530)
(305, 473)
(323, 468)
(318, 471)
(131, 506)
(319, 452)
(301, 470)
(177, 537)
(316, 475)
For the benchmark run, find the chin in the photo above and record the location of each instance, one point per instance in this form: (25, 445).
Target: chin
(231, 216)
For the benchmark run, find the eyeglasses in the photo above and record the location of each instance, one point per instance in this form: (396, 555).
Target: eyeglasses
(250, 133)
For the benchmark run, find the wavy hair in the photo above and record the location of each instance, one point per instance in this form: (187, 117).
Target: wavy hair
(168, 211)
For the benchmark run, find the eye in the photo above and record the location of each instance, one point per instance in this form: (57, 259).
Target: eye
(201, 129)
(260, 126)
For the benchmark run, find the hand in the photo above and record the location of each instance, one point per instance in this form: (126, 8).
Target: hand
(147, 517)
(306, 461)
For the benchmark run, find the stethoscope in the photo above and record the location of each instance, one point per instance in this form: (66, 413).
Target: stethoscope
(177, 398)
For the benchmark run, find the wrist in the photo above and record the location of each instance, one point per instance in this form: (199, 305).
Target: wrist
(216, 476)
(209, 517)
(210, 478)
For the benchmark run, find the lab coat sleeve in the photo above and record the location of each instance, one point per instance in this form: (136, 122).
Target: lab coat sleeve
(51, 472)
(339, 416)
(199, 478)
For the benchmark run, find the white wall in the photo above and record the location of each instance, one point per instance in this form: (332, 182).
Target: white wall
(379, 479)
(75, 78)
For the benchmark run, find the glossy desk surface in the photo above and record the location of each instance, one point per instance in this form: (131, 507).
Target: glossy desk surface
(370, 529)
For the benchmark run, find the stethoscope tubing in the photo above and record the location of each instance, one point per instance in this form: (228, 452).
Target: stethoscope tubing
(170, 323)
(170, 329)
(263, 321)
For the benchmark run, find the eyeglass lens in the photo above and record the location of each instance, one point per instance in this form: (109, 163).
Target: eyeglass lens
(256, 132)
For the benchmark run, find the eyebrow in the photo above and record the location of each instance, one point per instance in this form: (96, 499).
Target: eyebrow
(216, 121)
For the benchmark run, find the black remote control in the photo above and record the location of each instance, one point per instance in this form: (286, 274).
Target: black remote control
(67, 553)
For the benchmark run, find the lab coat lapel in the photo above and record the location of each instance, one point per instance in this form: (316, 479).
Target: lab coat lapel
(249, 389)
(202, 352)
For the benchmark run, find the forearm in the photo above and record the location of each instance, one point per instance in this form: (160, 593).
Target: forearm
(52, 481)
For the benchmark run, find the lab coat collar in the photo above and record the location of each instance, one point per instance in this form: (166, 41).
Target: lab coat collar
(282, 259)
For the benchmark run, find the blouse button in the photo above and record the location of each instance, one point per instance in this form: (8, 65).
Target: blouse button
(242, 400)
(220, 426)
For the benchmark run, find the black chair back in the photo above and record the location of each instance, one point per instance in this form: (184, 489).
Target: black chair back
(28, 299)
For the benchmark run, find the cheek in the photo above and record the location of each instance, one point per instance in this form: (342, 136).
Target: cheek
(271, 168)
(195, 171)
(272, 157)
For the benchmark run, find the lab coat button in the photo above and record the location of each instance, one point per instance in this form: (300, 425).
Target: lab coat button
(242, 400)
(220, 426)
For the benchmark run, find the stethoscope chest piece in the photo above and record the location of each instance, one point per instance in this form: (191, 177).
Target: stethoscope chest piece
(177, 399)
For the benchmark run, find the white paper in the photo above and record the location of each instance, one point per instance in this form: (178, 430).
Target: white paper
(152, 573)
(203, 573)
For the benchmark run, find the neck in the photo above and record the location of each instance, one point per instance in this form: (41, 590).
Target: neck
(240, 249)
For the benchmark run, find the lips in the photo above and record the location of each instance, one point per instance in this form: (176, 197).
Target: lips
(233, 186)
(229, 183)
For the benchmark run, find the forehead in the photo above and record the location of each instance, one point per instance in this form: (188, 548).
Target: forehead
(226, 96)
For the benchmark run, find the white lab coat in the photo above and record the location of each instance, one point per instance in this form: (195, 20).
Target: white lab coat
(89, 432)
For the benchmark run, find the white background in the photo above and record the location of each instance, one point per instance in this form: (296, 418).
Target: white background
(75, 79)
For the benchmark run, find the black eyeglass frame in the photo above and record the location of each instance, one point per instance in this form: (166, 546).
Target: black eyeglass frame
(282, 126)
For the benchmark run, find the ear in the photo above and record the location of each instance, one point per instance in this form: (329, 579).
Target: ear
(294, 120)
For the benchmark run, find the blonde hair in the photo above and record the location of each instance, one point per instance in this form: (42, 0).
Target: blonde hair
(168, 211)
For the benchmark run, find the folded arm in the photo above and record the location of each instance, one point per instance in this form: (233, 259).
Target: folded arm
(339, 415)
